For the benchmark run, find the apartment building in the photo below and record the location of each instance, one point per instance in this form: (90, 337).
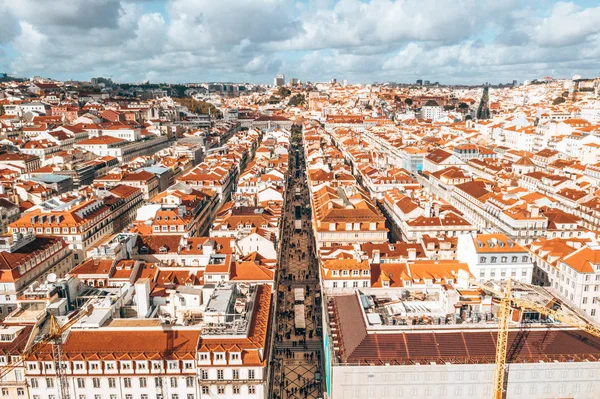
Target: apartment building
(346, 215)
(81, 220)
(495, 257)
(128, 360)
(26, 258)
(571, 268)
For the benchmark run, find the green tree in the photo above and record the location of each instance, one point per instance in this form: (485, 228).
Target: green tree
(558, 100)
(283, 92)
(296, 99)
(463, 107)
(199, 107)
(1, 109)
(408, 101)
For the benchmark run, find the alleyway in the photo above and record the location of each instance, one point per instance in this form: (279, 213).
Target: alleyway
(296, 363)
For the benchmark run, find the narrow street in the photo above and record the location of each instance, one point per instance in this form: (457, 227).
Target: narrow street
(296, 364)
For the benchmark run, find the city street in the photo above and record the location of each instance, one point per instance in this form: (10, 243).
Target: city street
(296, 364)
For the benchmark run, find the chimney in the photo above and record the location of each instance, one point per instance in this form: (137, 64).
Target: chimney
(207, 247)
(535, 211)
(376, 256)
(142, 296)
(412, 254)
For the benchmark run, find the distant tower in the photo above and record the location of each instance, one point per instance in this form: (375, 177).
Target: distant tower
(279, 80)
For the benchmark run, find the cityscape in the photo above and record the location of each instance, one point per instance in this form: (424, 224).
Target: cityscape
(338, 200)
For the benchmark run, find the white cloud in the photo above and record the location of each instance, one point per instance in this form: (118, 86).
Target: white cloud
(195, 40)
(568, 24)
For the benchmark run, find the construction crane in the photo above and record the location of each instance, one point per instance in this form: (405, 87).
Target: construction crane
(507, 301)
(54, 337)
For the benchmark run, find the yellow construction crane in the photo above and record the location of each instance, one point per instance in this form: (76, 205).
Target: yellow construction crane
(54, 337)
(507, 301)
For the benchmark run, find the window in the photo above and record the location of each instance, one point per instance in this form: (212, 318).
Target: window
(220, 390)
(129, 396)
(49, 383)
(251, 389)
(97, 396)
(173, 365)
(112, 383)
(34, 383)
(514, 259)
(158, 382)
(236, 390)
(494, 259)
(173, 382)
(189, 382)
(204, 374)
(20, 392)
(204, 390)
(235, 374)
(96, 382)
(144, 396)
(143, 382)
(127, 382)
(219, 374)
(482, 259)
(250, 374)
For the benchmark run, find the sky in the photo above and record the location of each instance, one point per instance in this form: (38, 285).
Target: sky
(179, 41)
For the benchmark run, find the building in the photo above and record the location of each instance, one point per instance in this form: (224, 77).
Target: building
(222, 356)
(495, 257)
(346, 215)
(279, 80)
(432, 111)
(369, 353)
(24, 259)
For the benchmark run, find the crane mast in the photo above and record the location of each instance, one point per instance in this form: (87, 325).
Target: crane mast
(54, 337)
(502, 344)
(57, 357)
(507, 301)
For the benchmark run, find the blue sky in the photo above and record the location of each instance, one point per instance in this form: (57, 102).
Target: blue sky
(451, 41)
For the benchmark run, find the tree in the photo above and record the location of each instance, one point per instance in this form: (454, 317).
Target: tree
(408, 101)
(558, 100)
(283, 92)
(463, 107)
(296, 99)
(1, 109)
(199, 107)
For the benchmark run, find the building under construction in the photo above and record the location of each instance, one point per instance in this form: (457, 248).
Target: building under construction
(389, 343)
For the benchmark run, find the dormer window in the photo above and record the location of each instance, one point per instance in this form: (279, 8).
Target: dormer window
(203, 357)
